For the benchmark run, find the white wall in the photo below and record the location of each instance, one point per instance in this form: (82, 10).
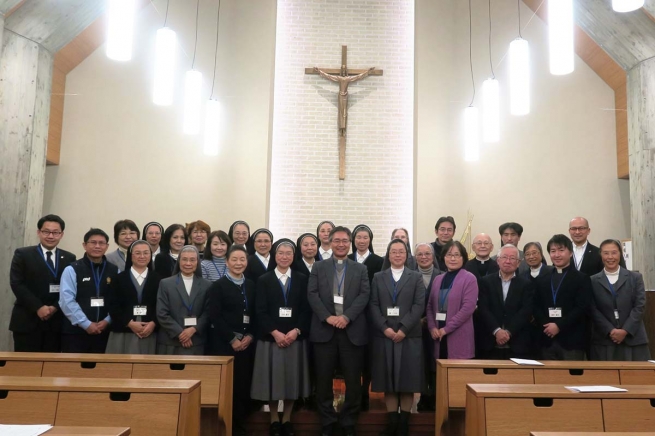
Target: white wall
(123, 157)
(549, 166)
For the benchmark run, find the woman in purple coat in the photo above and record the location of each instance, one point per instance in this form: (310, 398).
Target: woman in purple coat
(450, 308)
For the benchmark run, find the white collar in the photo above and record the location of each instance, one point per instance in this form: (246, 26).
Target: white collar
(265, 259)
(309, 265)
(615, 273)
(279, 274)
(503, 280)
(136, 275)
(537, 268)
(362, 257)
(582, 247)
(45, 250)
(325, 251)
(482, 261)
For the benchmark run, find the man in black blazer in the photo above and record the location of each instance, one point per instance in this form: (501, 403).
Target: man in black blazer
(586, 257)
(561, 305)
(505, 309)
(338, 293)
(34, 277)
(482, 264)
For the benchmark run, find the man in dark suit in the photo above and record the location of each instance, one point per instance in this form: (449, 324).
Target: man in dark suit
(34, 277)
(445, 230)
(482, 264)
(338, 293)
(586, 257)
(561, 305)
(505, 309)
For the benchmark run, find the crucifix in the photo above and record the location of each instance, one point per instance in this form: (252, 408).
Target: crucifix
(344, 77)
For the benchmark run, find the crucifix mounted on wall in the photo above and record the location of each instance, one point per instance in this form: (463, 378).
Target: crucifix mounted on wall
(344, 77)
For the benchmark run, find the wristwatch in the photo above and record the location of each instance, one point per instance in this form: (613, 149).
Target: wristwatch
(297, 330)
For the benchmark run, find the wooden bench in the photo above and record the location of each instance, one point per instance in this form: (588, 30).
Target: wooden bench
(454, 375)
(148, 407)
(516, 410)
(567, 433)
(214, 372)
(88, 431)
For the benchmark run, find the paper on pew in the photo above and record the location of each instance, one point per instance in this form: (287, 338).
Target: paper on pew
(595, 389)
(652, 361)
(526, 361)
(23, 430)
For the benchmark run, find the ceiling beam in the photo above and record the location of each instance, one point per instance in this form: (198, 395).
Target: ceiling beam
(6, 6)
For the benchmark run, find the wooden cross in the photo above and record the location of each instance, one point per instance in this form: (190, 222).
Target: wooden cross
(344, 77)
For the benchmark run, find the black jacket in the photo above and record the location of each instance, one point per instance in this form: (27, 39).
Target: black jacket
(269, 299)
(591, 261)
(122, 297)
(226, 310)
(472, 267)
(373, 263)
(255, 268)
(513, 314)
(30, 280)
(164, 265)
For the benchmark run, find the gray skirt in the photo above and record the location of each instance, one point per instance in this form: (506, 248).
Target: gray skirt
(397, 367)
(129, 343)
(280, 373)
(179, 350)
(621, 352)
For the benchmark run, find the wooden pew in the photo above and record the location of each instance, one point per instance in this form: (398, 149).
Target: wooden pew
(516, 410)
(87, 431)
(214, 372)
(453, 376)
(148, 407)
(568, 433)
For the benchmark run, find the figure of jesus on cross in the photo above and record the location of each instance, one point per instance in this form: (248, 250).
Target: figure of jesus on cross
(343, 77)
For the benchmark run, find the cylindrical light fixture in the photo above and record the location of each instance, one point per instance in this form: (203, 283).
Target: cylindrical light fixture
(471, 134)
(213, 123)
(490, 110)
(164, 67)
(192, 102)
(560, 36)
(120, 15)
(519, 77)
(627, 5)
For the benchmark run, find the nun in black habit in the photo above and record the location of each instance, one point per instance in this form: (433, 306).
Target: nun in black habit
(261, 262)
(306, 254)
(236, 233)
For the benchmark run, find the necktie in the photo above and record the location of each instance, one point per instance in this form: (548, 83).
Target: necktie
(49, 260)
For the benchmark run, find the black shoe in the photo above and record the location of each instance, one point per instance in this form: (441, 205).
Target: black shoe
(287, 429)
(349, 430)
(310, 402)
(275, 429)
(403, 424)
(392, 424)
(365, 403)
(327, 430)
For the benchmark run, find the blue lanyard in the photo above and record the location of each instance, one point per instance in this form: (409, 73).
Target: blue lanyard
(285, 291)
(54, 253)
(395, 290)
(340, 282)
(443, 296)
(190, 306)
(611, 289)
(217, 271)
(98, 277)
(555, 291)
(243, 290)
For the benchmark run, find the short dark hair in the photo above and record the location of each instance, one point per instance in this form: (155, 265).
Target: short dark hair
(341, 229)
(221, 235)
(561, 241)
(518, 228)
(200, 224)
(236, 247)
(125, 224)
(95, 232)
(168, 234)
(445, 219)
(537, 245)
(53, 219)
(460, 247)
(396, 241)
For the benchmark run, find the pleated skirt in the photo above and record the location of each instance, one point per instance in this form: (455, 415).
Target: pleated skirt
(620, 352)
(129, 343)
(280, 373)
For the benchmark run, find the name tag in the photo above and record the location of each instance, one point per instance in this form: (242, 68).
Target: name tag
(246, 319)
(190, 321)
(86, 279)
(97, 302)
(140, 310)
(555, 312)
(393, 311)
(441, 316)
(285, 312)
(616, 314)
(338, 300)
(54, 289)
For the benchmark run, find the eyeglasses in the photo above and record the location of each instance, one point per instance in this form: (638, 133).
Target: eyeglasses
(453, 255)
(240, 233)
(127, 234)
(198, 232)
(483, 243)
(425, 254)
(395, 252)
(98, 243)
(531, 253)
(510, 258)
(446, 230)
(48, 233)
(578, 229)
(341, 241)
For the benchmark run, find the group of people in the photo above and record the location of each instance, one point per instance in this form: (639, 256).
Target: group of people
(294, 313)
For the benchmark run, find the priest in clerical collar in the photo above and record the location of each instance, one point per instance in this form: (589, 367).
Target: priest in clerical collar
(482, 264)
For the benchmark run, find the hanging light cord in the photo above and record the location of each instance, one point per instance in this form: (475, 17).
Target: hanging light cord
(166, 16)
(218, 16)
(518, 9)
(195, 44)
(471, 52)
(493, 75)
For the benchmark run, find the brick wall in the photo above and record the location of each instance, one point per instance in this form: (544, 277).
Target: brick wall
(305, 187)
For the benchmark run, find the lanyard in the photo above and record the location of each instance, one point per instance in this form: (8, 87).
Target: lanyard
(575, 260)
(612, 290)
(243, 290)
(343, 276)
(395, 290)
(217, 271)
(190, 306)
(54, 253)
(262, 262)
(555, 291)
(444, 295)
(98, 277)
(285, 291)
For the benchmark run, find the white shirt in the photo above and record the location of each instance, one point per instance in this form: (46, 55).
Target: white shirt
(361, 258)
(283, 277)
(156, 253)
(325, 254)
(45, 250)
(174, 256)
(612, 276)
(397, 273)
(578, 254)
(308, 265)
(534, 272)
(139, 277)
(505, 284)
(188, 283)
(263, 259)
